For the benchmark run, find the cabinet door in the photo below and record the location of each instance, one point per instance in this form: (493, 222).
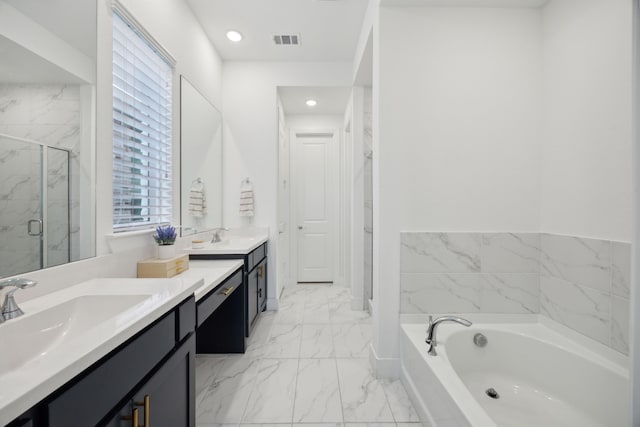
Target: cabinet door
(168, 398)
(252, 298)
(262, 284)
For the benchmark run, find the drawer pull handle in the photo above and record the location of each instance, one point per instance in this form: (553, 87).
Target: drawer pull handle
(227, 291)
(146, 405)
(179, 261)
(179, 270)
(133, 418)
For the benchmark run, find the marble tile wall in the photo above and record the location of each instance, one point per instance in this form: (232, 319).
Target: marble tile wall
(580, 283)
(50, 114)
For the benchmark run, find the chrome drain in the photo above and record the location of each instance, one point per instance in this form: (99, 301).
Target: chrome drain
(492, 393)
(480, 340)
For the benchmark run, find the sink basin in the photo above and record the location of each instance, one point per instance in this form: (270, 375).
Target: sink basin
(35, 334)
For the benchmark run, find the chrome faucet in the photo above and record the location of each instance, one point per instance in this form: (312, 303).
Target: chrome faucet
(431, 330)
(216, 234)
(10, 309)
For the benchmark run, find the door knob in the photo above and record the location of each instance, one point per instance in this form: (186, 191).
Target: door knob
(299, 227)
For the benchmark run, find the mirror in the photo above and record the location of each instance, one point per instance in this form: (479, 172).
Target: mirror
(201, 161)
(47, 133)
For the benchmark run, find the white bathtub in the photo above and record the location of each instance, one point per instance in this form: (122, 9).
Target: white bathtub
(543, 378)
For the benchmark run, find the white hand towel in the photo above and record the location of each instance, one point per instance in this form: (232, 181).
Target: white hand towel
(246, 199)
(197, 199)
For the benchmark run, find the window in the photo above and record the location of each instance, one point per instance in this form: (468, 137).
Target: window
(142, 145)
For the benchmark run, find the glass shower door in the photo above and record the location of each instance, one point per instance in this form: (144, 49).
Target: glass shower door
(56, 244)
(21, 207)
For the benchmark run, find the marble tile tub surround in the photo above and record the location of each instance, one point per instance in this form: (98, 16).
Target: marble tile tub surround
(579, 282)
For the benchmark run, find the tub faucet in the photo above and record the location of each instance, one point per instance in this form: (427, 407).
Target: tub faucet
(216, 234)
(431, 330)
(10, 309)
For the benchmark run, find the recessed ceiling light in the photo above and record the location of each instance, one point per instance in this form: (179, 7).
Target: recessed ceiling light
(311, 102)
(234, 36)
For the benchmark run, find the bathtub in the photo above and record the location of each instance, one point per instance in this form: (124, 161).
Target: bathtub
(542, 377)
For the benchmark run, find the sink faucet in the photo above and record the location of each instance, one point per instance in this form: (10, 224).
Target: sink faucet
(10, 309)
(431, 330)
(216, 234)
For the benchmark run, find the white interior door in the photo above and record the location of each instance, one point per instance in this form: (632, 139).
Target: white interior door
(316, 194)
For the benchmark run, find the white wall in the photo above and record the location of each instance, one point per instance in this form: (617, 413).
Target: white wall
(311, 122)
(587, 47)
(251, 136)
(456, 119)
(175, 27)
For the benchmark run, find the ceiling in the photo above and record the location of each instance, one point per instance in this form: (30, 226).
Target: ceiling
(328, 29)
(331, 100)
(74, 21)
(20, 65)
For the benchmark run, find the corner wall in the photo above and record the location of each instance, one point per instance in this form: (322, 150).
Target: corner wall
(587, 47)
(456, 134)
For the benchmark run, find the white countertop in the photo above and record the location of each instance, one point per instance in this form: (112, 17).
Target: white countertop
(231, 245)
(78, 340)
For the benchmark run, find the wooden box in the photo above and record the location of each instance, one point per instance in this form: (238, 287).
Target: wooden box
(164, 268)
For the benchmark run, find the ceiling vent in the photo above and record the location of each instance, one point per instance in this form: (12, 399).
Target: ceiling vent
(286, 39)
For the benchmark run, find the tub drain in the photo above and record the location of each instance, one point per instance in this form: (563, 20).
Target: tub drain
(492, 393)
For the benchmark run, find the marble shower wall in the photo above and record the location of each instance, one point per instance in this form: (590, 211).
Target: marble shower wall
(580, 283)
(49, 114)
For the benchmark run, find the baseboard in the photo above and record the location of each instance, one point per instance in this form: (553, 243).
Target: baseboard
(272, 304)
(384, 368)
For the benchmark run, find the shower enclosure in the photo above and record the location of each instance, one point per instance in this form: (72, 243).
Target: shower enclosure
(34, 206)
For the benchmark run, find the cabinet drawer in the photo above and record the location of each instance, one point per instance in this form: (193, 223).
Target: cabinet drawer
(186, 317)
(208, 304)
(91, 398)
(257, 255)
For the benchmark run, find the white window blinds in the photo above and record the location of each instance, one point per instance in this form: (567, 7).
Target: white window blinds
(142, 83)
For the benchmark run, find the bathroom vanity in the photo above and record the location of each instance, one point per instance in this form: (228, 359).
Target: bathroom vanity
(252, 250)
(119, 350)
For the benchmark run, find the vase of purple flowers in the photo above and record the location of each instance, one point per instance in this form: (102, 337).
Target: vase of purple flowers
(165, 237)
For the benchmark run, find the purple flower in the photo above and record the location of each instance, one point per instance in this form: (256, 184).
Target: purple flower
(165, 235)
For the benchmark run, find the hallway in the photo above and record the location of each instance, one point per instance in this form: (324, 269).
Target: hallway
(305, 364)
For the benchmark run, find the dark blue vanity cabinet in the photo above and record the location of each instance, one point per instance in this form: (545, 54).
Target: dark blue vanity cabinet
(151, 378)
(255, 281)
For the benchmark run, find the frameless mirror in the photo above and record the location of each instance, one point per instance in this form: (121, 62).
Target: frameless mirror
(201, 161)
(47, 133)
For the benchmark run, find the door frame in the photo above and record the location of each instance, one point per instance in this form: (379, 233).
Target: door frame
(335, 205)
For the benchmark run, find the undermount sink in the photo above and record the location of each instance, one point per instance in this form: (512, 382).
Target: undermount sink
(35, 334)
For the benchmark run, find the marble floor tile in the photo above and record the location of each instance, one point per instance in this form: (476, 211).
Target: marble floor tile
(317, 392)
(317, 341)
(341, 312)
(207, 369)
(225, 400)
(363, 398)
(351, 339)
(290, 313)
(283, 342)
(272, 398)
(370, 425)
(399, 402)
(266, 425)
(316, 312)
